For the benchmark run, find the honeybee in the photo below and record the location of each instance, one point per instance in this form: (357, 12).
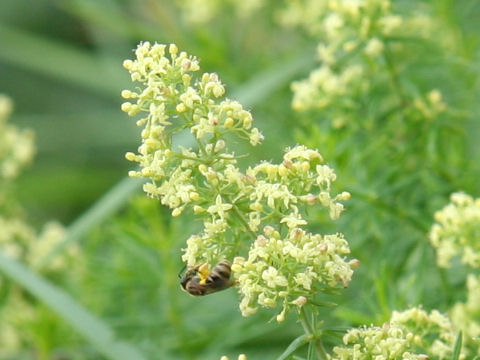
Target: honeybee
(199, 280)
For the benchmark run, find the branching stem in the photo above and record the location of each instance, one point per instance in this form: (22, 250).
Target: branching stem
(310, 330)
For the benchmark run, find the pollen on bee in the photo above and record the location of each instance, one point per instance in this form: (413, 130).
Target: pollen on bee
(203, 271)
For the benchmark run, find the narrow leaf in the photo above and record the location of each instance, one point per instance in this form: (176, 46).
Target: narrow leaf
(266, 82)
(93, 329)
(458, 347)
(321, 303)
(294, 345)
(103, 208)
(58, 59)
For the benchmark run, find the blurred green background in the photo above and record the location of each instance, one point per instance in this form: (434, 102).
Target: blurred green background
(60, 62)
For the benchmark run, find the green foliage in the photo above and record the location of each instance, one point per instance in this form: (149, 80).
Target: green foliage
(116, 294)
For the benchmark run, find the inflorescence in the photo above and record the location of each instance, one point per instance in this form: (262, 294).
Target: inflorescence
(262, 207)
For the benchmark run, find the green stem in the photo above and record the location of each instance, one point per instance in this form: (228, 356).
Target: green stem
(397, 86)
(244, 221)
(201, 146)
(309, 330)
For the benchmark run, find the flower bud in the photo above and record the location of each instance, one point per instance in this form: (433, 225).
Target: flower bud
(130, 156)
(173, 49)
(300, 301)
(354, 264)
(126, 106)
(229, 122)
(181, 108)
(198, 209)
(128, 64)
(176, 212)
(194, 196)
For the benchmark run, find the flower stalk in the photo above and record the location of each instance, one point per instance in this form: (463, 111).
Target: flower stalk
(311, 331)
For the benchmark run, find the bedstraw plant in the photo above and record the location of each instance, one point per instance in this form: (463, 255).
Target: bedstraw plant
(356, 238)
(256, 218)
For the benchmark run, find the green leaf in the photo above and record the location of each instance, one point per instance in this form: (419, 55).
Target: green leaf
(266, 82)
(110, 17)
(102, 209)
(294, 345)
(93, 329)
(353, 316)
(62, 61)
(321, 303)
(458, 347)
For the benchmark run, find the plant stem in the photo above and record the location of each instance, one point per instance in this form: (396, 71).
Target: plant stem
(309, 330)
(397, 86)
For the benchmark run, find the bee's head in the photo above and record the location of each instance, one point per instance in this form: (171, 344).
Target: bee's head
(187, 277)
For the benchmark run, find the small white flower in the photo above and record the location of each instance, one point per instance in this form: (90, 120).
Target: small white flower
(273, 279)
(293, 220)
(219, 208)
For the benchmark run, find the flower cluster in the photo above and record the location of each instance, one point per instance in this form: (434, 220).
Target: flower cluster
(266, 194)
(20, 241)
(16, 146)
(173, 100)
(203, 11)
(16, 316)
(290, 270)
(355, 49)
(427, 107)
(457, 231)
(51, 235)
(434, 331)
(351, 35)
(15, 236)
(240, 357)
(284, 263)
(404, 337)
(466, 316)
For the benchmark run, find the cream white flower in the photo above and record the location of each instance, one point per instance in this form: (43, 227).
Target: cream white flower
(298, 265)
(411, 334)
(285, 266)
(16, 146)
(219, 208)
(465, 316)
(455, 232)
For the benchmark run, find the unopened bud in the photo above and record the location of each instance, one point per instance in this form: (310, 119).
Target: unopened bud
(126, 106)
(194, 196)
(261, 240)
(354, 264)
(128, 64)
(181, 108)
(198, 209)
(130, 156)
(300, 301)
(268, 230)
(173, 49)
(287, 163)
